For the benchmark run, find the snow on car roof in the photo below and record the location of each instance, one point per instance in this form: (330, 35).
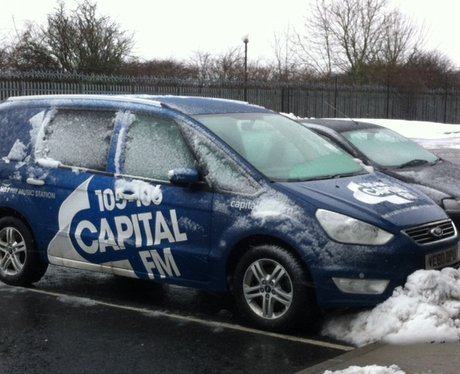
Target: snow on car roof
(186, 104)
(81, 97)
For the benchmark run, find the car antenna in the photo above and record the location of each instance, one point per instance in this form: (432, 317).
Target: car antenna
(342, 113)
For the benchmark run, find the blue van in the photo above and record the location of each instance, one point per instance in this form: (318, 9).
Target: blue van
(209, 193)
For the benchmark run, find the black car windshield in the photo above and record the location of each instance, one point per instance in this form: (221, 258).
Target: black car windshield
(388, 148)
(280, 148)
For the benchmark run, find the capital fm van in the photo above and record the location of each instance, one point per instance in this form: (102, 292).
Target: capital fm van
(208, 193)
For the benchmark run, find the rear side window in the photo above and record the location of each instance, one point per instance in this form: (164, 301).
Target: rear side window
(79, 138)
(16, 130)
(153, 147)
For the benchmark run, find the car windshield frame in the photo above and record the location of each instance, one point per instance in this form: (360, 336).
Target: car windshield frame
(389, 149)
(281, 149)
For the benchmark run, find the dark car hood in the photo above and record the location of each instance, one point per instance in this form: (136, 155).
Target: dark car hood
(443, 176)
(371, 197)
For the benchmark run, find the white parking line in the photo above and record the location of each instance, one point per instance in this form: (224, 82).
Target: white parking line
(216, 324)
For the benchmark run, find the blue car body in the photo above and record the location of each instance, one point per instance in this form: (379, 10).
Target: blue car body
(192, 233)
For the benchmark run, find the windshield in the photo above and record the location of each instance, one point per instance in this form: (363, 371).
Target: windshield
(388, 148)
(281, 149)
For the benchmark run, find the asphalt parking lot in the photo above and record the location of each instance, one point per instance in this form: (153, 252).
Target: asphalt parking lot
(83, 322)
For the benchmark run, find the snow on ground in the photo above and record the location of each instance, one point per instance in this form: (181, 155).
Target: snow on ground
(372, 369)
(429, 134)
(427, 308)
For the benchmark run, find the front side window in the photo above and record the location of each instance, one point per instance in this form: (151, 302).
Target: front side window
(388, 148)
(153, 147)
(220, 171)
(78, 138)
(281, 149)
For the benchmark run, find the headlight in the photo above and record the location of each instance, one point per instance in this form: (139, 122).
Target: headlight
(451, 205)
(349, 230)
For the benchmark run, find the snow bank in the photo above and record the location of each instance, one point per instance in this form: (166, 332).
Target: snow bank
(426, 309)
(417, 129)
(373, 369)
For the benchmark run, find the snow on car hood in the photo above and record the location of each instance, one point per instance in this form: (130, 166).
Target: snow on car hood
(444, 176)
(370, 197)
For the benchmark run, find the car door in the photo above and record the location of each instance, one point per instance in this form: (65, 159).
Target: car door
(163, 229)
(71, 152)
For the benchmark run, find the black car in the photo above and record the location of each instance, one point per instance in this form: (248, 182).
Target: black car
(397, 156)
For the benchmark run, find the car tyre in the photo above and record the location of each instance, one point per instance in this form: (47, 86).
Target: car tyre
(271, 289)
(20, 262)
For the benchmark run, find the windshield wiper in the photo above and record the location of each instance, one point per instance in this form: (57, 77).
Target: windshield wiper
(328, 176)
(414, 162)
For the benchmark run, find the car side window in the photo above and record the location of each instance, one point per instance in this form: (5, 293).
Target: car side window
(153, 147)
(79, 138)
(15, 145)
(221, 172)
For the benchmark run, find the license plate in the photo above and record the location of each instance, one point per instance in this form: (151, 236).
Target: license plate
(442, 259)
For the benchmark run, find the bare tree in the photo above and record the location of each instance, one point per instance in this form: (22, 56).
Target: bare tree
(226, 66)
(348, 35)
(401, 38)
(73, 41)
(202, 63)
(313, 47)
(285, 64)
(229, 65)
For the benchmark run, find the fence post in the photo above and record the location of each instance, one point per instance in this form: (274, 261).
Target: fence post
(388, 99)
(445, 101)
(336, 94)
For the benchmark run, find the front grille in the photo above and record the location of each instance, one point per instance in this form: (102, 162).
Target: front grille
(432, 232)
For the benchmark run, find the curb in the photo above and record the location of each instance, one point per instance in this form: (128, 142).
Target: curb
(336, 361)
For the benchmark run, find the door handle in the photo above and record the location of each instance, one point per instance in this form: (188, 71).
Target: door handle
(35, 182)
(126, 196)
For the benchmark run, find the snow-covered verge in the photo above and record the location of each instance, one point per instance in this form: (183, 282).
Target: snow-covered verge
(426, 309)
(429, 134)
(372, 369)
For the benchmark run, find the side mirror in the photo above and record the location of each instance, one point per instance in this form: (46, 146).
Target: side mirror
(184, 176)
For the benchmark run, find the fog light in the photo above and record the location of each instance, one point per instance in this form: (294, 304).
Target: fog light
(361, 286)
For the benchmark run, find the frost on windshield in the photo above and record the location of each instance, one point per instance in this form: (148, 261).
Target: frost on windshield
(76, 138)
(426, 309)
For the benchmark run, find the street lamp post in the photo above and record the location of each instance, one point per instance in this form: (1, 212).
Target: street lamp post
(245, 41)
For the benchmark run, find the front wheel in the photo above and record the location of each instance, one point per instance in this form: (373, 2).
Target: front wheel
(20, 263)
(271, 288)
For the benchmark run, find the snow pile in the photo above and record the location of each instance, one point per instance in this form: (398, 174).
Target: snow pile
(373, 369)
(418, 129)
(426, 309)
(428, 134)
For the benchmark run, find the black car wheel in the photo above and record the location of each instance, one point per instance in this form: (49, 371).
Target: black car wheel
(20, 263)
(271, 288)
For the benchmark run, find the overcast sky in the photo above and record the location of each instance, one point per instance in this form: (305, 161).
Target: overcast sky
(177, 28)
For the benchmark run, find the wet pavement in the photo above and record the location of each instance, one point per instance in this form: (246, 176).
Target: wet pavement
(82, 322)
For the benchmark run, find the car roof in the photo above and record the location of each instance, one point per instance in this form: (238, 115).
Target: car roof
(194, 105)
(189, 105)
(339, 125)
